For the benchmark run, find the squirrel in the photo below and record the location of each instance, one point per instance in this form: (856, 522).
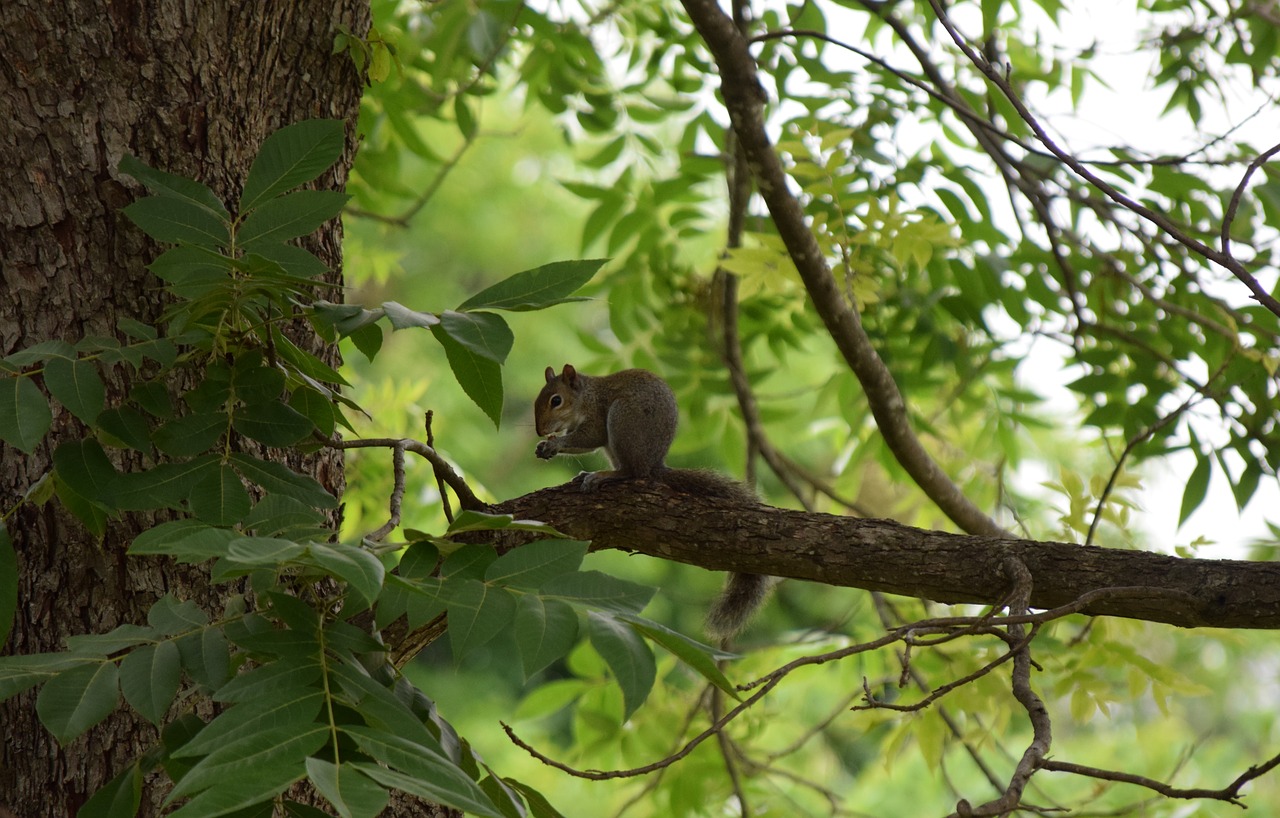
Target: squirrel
(632, 416)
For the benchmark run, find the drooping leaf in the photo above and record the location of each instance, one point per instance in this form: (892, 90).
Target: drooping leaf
(292, 156)
(219, 497)
(627, 656)
(1196, 489)
(166, 485)
(350, 792)
(419, 771)
(85, 468)
(77, 699)
(118, 798)
(75, 383)
(24, 413)
(149, 678)
(546, 629)
(477, 613)
(206, 657)
(480, 377)
(701, 658)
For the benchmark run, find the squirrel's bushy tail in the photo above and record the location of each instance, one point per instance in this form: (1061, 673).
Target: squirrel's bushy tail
(742, 596)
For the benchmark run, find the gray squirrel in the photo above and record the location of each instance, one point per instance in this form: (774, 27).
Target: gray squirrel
(632, 416)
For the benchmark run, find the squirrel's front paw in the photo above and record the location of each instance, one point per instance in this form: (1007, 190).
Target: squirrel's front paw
(547, 449)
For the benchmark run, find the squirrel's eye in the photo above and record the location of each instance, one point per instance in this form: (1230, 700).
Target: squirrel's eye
(556, 400)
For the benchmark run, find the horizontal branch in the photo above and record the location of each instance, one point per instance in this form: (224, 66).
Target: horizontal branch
(648, 517)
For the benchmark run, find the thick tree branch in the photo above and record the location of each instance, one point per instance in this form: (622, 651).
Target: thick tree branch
(651, 518)
(744, 99)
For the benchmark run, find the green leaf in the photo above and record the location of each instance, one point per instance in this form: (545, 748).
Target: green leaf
(1196, 488)
(479, 377)
(174, 221)
(118, 798)
(279, 479)
(206, 657)
(352, 794)
(219, 498)
(263, 552)
(289, 679)
(292, 156)
(186, 540)
(162, 486)
(536, 289)
(170, 616)
(290, 216)
(272, 423)
(477, 613)
(173, 186)
(42, 351)
(149, 678)
(257, 786)
(294, 260)
(533, 564)
(278, 748)
(419, 771)
(127, 426)
(191, 434)
(192, 272)
(8, 584)
(627, 656)
(281, 708)
(83, 466)
(696, 655)
(77, 699)
(597, 590)
(19, 673)
(122, 637)
(400, 316)
(361, 570)
(24, 413)
(91, 513)
(76, 384)
(546, 629)
(484, 333)
(539, 806)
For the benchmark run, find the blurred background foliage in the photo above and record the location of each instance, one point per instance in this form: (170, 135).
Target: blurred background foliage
(498, 136)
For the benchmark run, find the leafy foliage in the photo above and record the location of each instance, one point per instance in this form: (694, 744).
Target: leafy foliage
(304, 684)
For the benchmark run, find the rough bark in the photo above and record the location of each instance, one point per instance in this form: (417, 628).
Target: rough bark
(192, 88)
(880, 555)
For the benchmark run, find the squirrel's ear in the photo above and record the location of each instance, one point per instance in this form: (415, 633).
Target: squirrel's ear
(551, 374)
(568, 373)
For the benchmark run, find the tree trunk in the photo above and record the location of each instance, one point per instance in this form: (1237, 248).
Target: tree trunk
(192, 88)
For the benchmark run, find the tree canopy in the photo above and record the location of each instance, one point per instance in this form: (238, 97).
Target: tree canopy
(863, 244)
